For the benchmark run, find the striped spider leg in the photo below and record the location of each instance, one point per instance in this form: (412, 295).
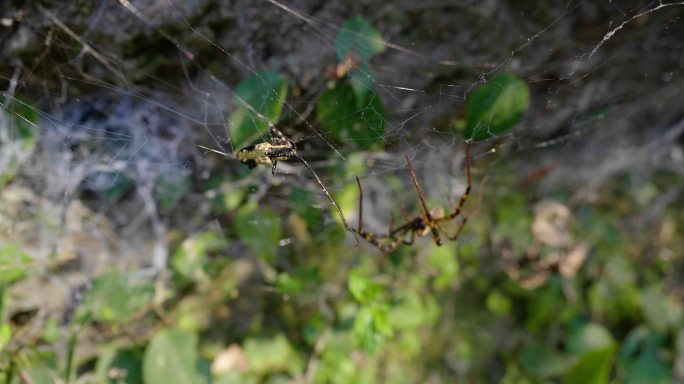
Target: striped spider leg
(419, 225)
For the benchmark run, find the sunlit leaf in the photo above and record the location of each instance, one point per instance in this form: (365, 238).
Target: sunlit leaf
(171, 357)
(120, 366)
(5, 335)
(495, 107)
(259, 99)
(190, 258)
(352, 120)
(592, 368)
(363, 288)
(114, 296)
(260, 229)
(589, 337)
(269, 354)
(641, 359)
(12, 263)
(359, 36)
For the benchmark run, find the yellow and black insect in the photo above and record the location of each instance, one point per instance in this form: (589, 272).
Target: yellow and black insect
(280, 149)
(266, 154)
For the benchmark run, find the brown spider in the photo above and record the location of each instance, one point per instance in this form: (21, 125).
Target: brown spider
(419, 225)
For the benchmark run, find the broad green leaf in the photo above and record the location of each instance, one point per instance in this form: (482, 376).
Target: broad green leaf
(592, 368)
(660, 312)
(590, 337)
(362, 122)
(543, 362)
(42, 375)
(445, 264)
(120, 366)
(5, 335)
(498, 303)
(358, 35)
(361, 80)
(114, 297)
(259, 99)
(372, 326)
(266, 355)
(260, 229)
(641, 360)
(363, 288)
(495, 107)
(190, 258)
(12, 264)
(171, 357)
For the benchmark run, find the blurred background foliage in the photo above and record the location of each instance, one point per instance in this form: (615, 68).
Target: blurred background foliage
(128, 255)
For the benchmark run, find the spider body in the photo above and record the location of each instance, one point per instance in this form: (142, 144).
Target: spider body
(266, 154)
(421, 225)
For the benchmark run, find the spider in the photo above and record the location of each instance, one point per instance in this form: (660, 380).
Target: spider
(280, 149)
(419, 225)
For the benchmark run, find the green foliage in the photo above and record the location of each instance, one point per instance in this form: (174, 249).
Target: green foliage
(191, 258)
(170, 188)
(592, 368)
(259, 99)
(171, 357)
(274, 354)
(260, 229)
(371, 324)
(12, 264)
(495, 107)
(120, 366)
(641, 359)
(351, 119)
(115, 297)
(21, 134)
(358, 37)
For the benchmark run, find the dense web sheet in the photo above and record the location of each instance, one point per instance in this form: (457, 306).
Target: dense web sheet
(120, 97)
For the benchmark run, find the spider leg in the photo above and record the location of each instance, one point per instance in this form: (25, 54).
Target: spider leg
(360, 226)
(327, 194)
(464, 197)
(411, 239)
(273, 169)
(464, 218)
(426, 213)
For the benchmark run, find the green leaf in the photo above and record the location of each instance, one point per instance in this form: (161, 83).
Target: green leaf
(372, 326)
(498, 303)
(267, 355)
(260, 229)
(359, 36)
(348, 118)
(641, 359)
(590, 337)
(592, 368)
(259, 98)
(495, 107)
(119, 366)
(171, 357)
(5, 335)
(190, 258)
(363, 288)
(115, 297)
(12, 264)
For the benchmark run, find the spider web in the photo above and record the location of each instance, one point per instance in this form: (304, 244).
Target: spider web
(124, 92)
